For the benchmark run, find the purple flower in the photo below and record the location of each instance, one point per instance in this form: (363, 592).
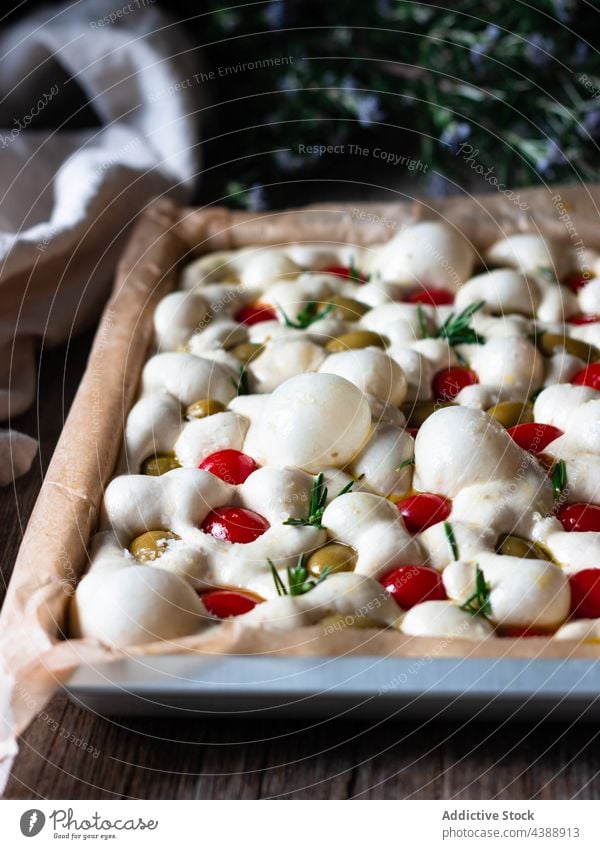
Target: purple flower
(489, 37)
(454, 134)
(274, 14)
(368, 109)
(539, 50)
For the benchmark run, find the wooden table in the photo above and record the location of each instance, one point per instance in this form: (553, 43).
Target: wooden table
(208, 759)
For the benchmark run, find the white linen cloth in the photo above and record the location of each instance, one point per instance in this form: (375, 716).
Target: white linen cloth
(67, 198)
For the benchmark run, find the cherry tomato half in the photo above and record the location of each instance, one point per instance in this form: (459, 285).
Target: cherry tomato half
(584, 319)
(580, 517)
(255, 313)
(226, 603)
(346, 272)
(534, 436)
(588, 376)
(410, 585)
(575, 282)
(434, 297)
(230, 465)
(448, 382)
(423, 510)
(585, 594)
(235, 524)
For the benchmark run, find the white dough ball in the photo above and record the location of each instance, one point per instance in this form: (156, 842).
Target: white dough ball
(313, 421)
(134, 605)
(444, 619)
(513, 362)
(177, 317)
(371, 370)
(429, 252)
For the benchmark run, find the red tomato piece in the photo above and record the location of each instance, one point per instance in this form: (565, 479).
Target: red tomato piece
(588, 376)
(534, 436)
(346, 272)
(255, 313)
(575, 282)
(585, 594)
(448, 382)
(410, 585)
(584, 319)
(230, 465)
(580, 517)
(433, 296)
(235, 524)
(413, 431)
(226, 603)
(423, 510)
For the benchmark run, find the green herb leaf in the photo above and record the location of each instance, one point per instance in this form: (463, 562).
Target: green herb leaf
(559, 478)
(421, 319)
(307, 316)
(279, 585)
(298, 577)
(405, 463)
(457, 329)
(241, 385)
(318, 502)
(449, 531)
(478, 604)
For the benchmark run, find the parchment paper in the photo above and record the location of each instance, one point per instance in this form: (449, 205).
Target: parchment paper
(36, 655)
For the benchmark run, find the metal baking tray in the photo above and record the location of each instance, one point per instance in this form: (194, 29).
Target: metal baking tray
(360, 687)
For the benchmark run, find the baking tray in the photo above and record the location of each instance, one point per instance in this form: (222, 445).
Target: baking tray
(301, 673)
(358, 687)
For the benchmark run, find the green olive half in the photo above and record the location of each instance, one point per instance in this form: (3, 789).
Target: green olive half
(417, 411)
(355, 339)
(514, 546)
(151, 545)
(511, 413)
(160, 463)
(346, 309)
(333, 556)
(203, 408)
(247, 351)
(552, 343)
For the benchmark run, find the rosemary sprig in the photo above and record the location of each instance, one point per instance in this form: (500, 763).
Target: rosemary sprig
(478, 604)
(559, 478)
(457, 329)
(421, 319)
(298, 577)
(318, 502)
(241, 385)
(306, 316)
(409, 462)
(449, 531)
(355, 275)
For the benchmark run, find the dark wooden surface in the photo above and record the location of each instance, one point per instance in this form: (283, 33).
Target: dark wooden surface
(208, 759)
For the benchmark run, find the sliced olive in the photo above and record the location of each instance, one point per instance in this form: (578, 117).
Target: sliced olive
(333, 556)
(346, 309)
(417, 411)
(337, 621)
(514, 546)
(151, 545)
(205, 407)
(160, 463)
(247, 351)
(356, 339)
(511, 413)
(551, 343)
